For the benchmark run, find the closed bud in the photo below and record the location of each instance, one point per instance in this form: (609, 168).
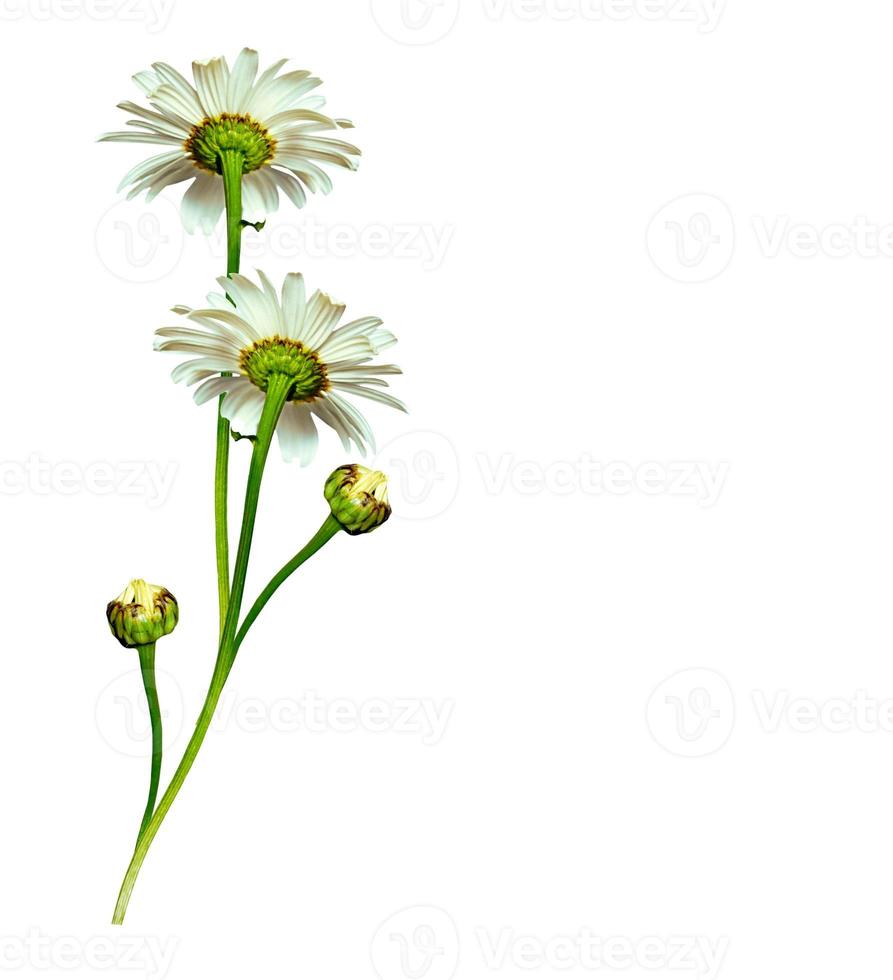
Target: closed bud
(358, 498)
(142, 614)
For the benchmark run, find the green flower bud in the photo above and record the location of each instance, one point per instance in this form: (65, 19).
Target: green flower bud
(142, 614)
(358, 498)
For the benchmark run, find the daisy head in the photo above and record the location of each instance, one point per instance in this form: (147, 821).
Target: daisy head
(270, 120)
(245, 338)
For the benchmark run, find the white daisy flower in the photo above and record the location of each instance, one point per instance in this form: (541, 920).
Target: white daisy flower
(258, 334)
(272, 120)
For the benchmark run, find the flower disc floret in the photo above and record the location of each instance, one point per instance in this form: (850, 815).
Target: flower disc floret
(281, 355)
(228, 132)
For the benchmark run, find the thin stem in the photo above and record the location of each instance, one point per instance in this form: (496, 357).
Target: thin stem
(221, 518)
(147, 666)
(277, 394)
(231, 171)
(231, 162)
(329, 529)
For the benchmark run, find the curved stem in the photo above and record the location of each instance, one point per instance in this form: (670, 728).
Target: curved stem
(147, 667)
(231, 171)
(277, 394)
(329, 529)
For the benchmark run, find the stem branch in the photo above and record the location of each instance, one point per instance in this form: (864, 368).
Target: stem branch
(329, 529)
(277, 394)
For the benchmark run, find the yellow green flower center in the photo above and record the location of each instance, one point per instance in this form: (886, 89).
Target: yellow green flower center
(213, 136)
(280, 355)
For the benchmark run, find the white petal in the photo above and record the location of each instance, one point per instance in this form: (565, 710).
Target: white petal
(200, 367)
(271, 295)
(289, 185)
(227, 322)
(251, 304)
(257, 96)
(241, 80)
(322, 316)
(260, 195)
(146, 168)
(170, 124)
(212, 81)
(134, 137)
(370, 393)
(216, 386)
(294, 304)
(297, 433)
(203, 204)
(188, 96)
(243, 408)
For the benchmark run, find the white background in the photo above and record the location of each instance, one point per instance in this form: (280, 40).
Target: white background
(662, 687)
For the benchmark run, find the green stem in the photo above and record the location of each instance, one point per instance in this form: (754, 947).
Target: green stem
(231, 162)
(329, 529)
(221, 520)
(277, 394)
(231, 171)
(147, 666)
